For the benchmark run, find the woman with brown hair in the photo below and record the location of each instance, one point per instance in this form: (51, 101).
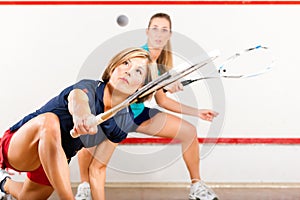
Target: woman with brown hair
(41, 145)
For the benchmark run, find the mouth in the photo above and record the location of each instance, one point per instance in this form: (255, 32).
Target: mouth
(124, 79)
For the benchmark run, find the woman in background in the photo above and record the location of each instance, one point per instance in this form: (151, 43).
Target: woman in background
(154, 122)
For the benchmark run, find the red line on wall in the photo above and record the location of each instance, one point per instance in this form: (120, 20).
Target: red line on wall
(274, 141)
(149, 2)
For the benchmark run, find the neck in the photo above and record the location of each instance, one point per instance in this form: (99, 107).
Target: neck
(112, 97)
(155, 53)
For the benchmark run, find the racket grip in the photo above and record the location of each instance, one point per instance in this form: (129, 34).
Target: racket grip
(186, 82)
(74, 134)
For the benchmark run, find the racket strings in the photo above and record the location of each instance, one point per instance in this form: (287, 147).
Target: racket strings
(248, 63)
(251, 62)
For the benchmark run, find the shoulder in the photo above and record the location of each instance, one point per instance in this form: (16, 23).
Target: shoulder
(88, 82)
(87, 85)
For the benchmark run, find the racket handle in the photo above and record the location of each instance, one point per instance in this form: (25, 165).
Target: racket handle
(74, 134)
(186, 82)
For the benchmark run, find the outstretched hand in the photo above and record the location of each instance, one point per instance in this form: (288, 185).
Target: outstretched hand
(85, 125)
(207, 115)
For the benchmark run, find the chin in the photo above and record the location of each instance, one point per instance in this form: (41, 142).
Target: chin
(123, 90)
(158, 46)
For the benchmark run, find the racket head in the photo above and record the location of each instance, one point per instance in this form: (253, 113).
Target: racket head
(251, 62)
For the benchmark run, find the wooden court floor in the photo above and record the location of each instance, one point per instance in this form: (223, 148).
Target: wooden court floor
(114, 193)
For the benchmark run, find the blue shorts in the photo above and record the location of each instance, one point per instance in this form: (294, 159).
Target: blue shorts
(147, 113)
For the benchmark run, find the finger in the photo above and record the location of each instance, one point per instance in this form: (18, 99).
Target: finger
(215, 114)
(82, 128)
(212, 113)
(208, 119)
(93, 130)
(209, 116)
(180, 86)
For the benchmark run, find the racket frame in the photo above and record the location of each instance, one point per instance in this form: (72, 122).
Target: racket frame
(227, 62)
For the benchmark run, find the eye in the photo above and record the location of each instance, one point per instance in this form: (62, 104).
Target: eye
(164, 30)
(125, 63)
(139, 71)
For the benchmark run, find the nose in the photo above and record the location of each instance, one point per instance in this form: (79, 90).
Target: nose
(159, 33)
(128, 73)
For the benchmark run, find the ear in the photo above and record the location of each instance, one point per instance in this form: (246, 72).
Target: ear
(147, 32)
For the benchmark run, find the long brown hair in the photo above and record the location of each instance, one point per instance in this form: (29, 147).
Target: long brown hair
(165, 59)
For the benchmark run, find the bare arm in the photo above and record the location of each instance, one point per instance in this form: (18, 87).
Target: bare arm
(81, 112)
(165, 102)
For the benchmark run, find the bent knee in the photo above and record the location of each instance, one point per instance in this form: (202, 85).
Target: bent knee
(49, 120)
(49, 125)
(190, 132)
(97, 170)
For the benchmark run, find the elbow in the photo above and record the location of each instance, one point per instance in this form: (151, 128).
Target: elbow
(161, 103)
(77, 93)
(161, 99)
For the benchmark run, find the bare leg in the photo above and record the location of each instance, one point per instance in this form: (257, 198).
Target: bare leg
(28, 190)
(84, 160)
(97, 169)
(39, 143)
(170, 126)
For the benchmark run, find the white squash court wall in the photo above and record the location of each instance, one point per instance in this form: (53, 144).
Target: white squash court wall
(42, 49)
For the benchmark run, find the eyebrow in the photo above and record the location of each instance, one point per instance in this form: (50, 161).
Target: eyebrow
(156, 26)
(142, 68)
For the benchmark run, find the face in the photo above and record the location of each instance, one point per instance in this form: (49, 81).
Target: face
(158, 32)
(130, 75)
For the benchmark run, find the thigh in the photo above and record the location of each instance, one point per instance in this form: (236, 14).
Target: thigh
(23, 148)
(104, 152)
(167, 125)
